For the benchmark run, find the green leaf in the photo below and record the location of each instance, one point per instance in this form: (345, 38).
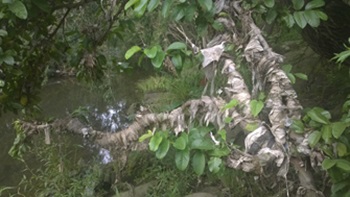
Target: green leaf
(291, 78)
(222, 133)
(166, 7)
(140, 8)
(256, 107)
(202, 144)
(181, 142)
(130, 3)
(251, 126)
(176, 46)
(198, 162)
(43, 5)
(287, 68)
(132, 51)
(233, 103)
(298, 4)
(163, 149)
(314, 4)
(157, 61)
(214, 164)
(228, 120)
(3, 33)
(220, 152)
(289, 20)
(300, 19)
(312, 18)
(177, 61)
(341, 149)
(182, 159)
(343, 164)
(269, 3)
(317, 116)
(314, 138)
(155, 142)
(327, 133)
(9, 60)
(297, 126)
(328, 163)
(153, 4)
(338, 128)
(301, 76)
(322, 15)
(151, 52)
(19, 9)
(271, 16)
(146, 136)
(206, 4)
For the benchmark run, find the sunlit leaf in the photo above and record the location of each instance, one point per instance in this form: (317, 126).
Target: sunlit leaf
(146, 136)
(202, 144)
(130, 3)
(206, 4)
(181, 142)
(163, 149)
(291, 77)
(157, 61)
(198, 162)
(155, 142)
(19, 9)
(314, 138)
(256, 107)
(326, 133)
(233, 103)
(182, 159)
(328, 163)
(314, 4)
(132, 51)
(338, 128)
(140, 8)
(151, 52)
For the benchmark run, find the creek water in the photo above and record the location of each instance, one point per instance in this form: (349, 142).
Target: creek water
(106, 107)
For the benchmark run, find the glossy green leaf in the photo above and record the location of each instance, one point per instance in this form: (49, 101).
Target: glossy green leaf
(198, 162)
(151, 52)
(289, 19)
(155, 142)
(153, 4)
(222, 133)
(9, 60)
(166, 8)
(132, 51)
(163, 149)
(327, 133)
(181, 142)
(300, 19)
(314, 4)
(157, 61)
(177, 61)
(176, 46)
(338, 128)
(146, 136)
(343, 164)
(140, 8)
(130, 3)
(182, 159)
(312, 18)
(341, 149)
(206, 4)
(297, 126)
(233, 103)
(19, 9)
(214, 164)
(328, 163)
(269, 3)
(317, 116)
(301, 76)
(314, 138)
(256, 107)
(298, 4)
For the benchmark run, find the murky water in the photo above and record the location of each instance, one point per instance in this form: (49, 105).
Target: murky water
(105, 105)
